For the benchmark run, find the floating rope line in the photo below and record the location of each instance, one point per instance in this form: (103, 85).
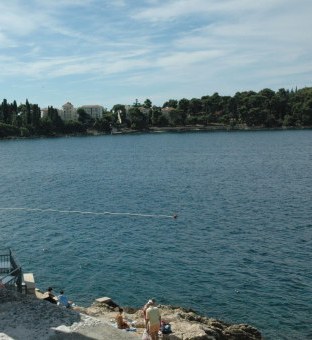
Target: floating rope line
(92, 213)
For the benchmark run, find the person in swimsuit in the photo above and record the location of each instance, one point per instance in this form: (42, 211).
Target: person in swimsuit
(121, 324)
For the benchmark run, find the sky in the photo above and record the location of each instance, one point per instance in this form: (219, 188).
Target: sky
(114, 52)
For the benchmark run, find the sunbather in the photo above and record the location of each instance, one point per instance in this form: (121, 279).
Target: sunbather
(121, 324)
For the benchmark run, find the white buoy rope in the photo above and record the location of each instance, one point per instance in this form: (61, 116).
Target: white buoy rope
(90, 212)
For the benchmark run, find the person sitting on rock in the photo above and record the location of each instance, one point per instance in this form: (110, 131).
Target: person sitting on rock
(63, 300)
(49, 296)
(121, 324)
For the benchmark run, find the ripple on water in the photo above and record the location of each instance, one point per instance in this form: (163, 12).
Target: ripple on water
(239, 250)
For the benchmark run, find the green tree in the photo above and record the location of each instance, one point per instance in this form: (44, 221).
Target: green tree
(176, 117)
(212, 104)
(36, 116)
(84, 117)
(267, 93)
(307, 113)
(5, 112)
(232, 108)
(46, 126)
(195, 106)
(156, 114)
(103, 125)
(138, 120)
(136, 103)
(184, 105)
(21, 113)
(280, 104)
(14, 113)
(71, 127)
(171, 103)
(27, 113)
(147, 103)
(7, 130)
(52, 123)
(163, 120)
(289, 120)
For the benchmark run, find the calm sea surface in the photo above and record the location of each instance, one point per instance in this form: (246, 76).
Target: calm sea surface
(240, 249)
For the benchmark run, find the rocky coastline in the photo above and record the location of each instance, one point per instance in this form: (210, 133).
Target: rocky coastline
(26, 317)
(173, 129)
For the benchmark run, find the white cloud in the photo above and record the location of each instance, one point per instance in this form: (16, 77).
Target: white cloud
(153, 45)
(13, 21)
(185, 59)
(173, 9)
(118, 3)
(5, 42)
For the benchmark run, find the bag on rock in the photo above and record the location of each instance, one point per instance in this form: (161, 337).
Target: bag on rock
(166, 328)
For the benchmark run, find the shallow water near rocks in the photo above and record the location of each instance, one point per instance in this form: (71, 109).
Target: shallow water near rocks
(240, 249)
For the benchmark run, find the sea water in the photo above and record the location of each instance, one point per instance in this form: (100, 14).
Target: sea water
(239, 250)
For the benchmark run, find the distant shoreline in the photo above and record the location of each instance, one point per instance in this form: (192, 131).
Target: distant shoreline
(222, 128)
(174, 129)
(199, 128)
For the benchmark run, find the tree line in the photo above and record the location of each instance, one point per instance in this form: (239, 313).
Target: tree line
(264, 109)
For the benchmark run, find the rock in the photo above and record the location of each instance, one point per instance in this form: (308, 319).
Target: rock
(213, 333)
(26, 317)
(186, 324)
(20, 310)
(242, 332)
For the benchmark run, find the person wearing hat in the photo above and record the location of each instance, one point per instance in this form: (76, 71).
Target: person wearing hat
(148, 303)
(153, 320)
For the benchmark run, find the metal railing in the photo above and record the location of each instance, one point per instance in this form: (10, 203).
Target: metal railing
(11, 275)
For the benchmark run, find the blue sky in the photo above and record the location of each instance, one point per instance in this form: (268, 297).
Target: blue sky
(113, 52)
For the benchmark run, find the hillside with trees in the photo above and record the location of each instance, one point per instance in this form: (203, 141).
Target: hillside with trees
(249, 109)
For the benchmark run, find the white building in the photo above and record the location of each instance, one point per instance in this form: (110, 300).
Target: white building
(94, 111)
(68, 112)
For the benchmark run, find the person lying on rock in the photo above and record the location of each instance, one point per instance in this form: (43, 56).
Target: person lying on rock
(121, 324)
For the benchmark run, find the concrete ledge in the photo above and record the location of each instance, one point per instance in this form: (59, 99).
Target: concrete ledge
(104, 299)
(29, 281)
